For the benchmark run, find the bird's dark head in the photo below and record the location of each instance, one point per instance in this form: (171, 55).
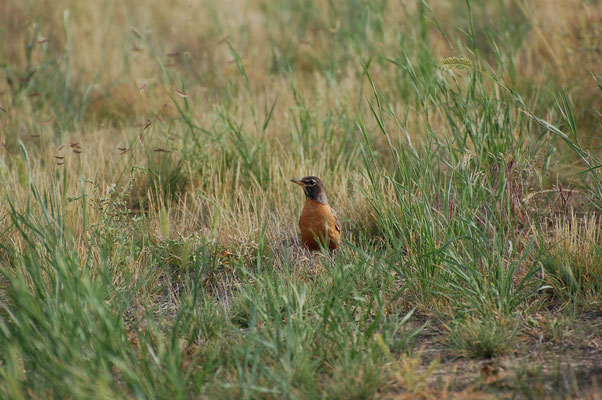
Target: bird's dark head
(313, 188)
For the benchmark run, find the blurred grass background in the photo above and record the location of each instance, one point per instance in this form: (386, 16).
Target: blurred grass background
(148, 228)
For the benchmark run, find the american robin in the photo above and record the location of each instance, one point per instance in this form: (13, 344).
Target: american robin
(318, 223)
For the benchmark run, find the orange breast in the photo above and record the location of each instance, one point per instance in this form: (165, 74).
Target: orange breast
(318, 225)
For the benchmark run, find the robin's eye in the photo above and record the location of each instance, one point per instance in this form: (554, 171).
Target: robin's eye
(312, 182)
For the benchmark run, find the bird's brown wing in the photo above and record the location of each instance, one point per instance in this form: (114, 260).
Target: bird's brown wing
(337, 224)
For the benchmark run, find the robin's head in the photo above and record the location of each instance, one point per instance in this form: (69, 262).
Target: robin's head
(313, 188)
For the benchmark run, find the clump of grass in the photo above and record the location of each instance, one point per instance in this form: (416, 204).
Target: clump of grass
(175, 254)
(357, 380)
(409, 374)
(164, 179)
(574, 260)
(481, 337)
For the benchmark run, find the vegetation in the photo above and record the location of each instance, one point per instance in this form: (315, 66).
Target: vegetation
(148, 228)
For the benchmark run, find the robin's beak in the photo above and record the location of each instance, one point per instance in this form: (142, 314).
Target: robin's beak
(298, 182)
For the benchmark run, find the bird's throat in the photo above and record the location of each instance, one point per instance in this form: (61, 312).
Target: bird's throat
(315, 194)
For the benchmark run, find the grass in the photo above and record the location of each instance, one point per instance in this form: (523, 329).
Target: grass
(482, 338)
(148, 230)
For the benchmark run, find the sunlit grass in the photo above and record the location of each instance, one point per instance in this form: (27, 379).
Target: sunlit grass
(148, 230)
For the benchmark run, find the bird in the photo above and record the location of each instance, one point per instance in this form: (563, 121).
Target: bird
(318, 223)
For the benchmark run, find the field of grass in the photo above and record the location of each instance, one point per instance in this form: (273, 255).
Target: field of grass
(148, 228)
